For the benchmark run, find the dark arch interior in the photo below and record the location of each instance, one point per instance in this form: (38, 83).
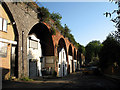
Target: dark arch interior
(70, 50)
(43, 33)
(61, 45)
(77, 55)
(74, 54)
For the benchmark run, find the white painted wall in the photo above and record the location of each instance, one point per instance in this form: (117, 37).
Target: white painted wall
(70, 58)
(62, 70)
(35, 53)
(75, 64)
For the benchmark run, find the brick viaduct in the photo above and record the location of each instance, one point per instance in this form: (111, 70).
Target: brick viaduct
(25, 19)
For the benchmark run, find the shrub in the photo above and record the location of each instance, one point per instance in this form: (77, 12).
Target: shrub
(26, 79)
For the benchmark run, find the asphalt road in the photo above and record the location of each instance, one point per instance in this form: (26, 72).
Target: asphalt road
(75, 80)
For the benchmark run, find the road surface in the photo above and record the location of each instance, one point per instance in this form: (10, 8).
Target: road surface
(74, 80)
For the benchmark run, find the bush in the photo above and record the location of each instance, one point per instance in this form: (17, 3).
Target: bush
(26, 79)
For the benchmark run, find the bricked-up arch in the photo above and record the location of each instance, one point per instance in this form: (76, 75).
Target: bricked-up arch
(11, 19)
(45, 36)
(61, 45)
(74, 54)
(70, 50)
(13, 64)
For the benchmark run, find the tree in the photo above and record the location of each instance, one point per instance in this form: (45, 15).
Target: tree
(81, 48)
(109, 53)
(116, 19)
(66, 31)
(56, 17)
(71, 38)
(91, 50)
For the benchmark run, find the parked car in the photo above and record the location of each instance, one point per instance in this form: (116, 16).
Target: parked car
(91, 70)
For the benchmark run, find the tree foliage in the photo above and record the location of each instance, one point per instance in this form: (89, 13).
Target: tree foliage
(109, 52)
(66, 31)
(109, 55)
(81, 48)
(43, 14)
(91, 50)
(53, 32)
(56, 17)
(115, 19)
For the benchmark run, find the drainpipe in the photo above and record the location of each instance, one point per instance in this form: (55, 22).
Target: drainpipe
(22, 54)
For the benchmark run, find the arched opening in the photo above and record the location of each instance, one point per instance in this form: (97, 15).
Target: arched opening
(75, 60)
(11, 43)
(43, 33)
(70, 58)
(40, 50)
(62, 58)
(78, 60)
(70, 50)
(74, 54)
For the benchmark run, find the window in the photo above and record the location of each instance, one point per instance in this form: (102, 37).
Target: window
(33, 44)
(59, 65)
(3, 24)
(3, 49)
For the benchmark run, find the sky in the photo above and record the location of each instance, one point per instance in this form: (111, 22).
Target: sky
(85, 19)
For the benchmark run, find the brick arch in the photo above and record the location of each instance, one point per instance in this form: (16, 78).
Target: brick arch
(62, 44)
(25, 22)
(77, 55)
(43, 33)
(74, 53)
(11, 19)
(16, 33)
(70, 50)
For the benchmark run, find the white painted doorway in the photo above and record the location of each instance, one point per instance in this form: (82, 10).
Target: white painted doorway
(62, 63)
(34, 52)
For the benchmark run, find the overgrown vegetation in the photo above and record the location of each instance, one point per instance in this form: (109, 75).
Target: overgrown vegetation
(45, 15)
(53, 31)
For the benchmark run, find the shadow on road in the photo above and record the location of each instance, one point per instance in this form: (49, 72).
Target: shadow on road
(74, 80)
